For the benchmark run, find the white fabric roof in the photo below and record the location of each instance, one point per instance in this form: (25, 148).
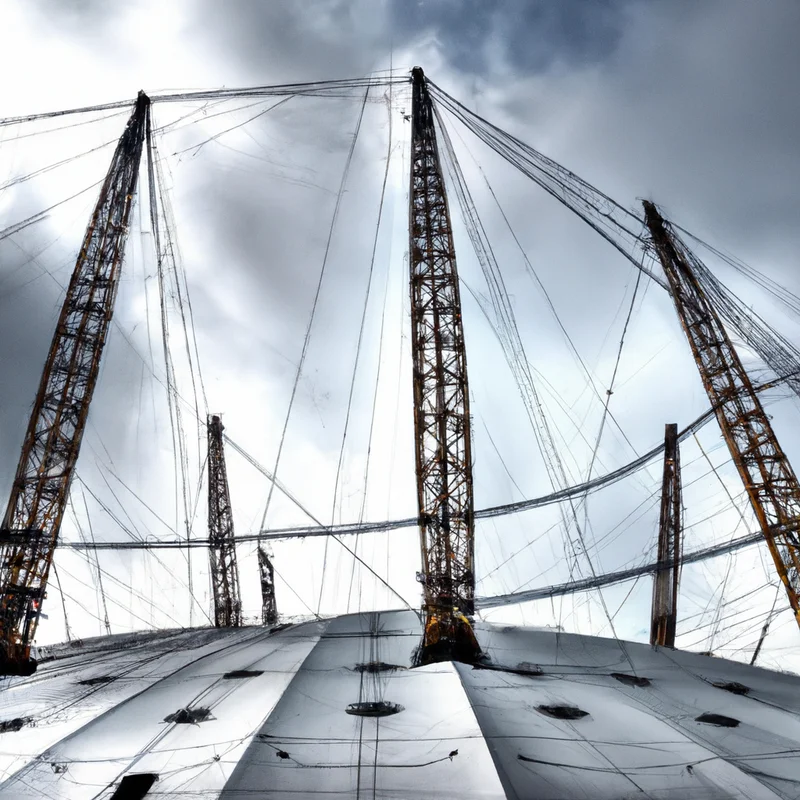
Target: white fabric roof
(462, 732)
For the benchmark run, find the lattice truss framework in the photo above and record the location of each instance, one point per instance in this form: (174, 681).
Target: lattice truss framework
(441, 395)
(269, 603)
(665, 585)
(221, 542)
(769, 480)
(52, 441)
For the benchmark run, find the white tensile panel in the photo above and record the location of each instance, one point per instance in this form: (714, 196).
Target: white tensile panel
(310, 747)
(279, 727)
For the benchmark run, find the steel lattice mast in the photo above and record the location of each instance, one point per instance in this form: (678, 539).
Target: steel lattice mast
(221, 544)
(441, 401)
(269, 605)
(52, 442)
(665, 585)
(768, 477)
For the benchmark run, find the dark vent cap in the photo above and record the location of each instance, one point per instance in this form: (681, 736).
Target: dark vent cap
(377, 666)
(563, 712)
(134, 787)
(378, 708)
(242, 673)
(630, 680)
(188, 716)
(718, 719)
(732, 686)
(12, 725)
(526, 668)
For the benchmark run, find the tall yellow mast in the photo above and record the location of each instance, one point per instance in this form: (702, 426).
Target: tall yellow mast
(441, 401)
(768, 477)
(39, 494)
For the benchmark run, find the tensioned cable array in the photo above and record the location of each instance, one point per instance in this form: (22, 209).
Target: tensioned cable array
(619, 576)
(299, 532)
(619, 226)
(335, 88)
(514, 351)
(616, 224)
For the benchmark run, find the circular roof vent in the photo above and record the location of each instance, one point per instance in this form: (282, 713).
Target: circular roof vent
(718, 719)
(376, 666)
(631, 680)
(563, 712)
(732, 686)
(379, 708)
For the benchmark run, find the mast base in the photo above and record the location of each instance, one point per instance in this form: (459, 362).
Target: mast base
(17, 666)
(448, 637)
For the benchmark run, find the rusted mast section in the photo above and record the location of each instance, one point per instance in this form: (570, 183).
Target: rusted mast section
(52, 442)
(768, 477)
(441, 402)
(269, 604)
(221, 544)
(665, 585)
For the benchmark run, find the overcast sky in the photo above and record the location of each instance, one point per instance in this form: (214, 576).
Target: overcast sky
(691, 104)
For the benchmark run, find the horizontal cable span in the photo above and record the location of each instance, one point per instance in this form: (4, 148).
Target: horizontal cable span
(272, 533)
(314, 88)
(300, 532)
(555, 590)
(408, 522)
(585, 584)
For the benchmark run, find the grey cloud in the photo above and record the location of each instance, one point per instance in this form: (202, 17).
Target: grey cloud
(529, 35)
(278, 42)
(27, 317)
(340, 35)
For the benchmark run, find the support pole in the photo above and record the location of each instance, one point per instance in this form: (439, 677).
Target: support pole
(670, 535)
(768, 477)
(221, 542)
(269, 605)
(30, 528)
(441, 402)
